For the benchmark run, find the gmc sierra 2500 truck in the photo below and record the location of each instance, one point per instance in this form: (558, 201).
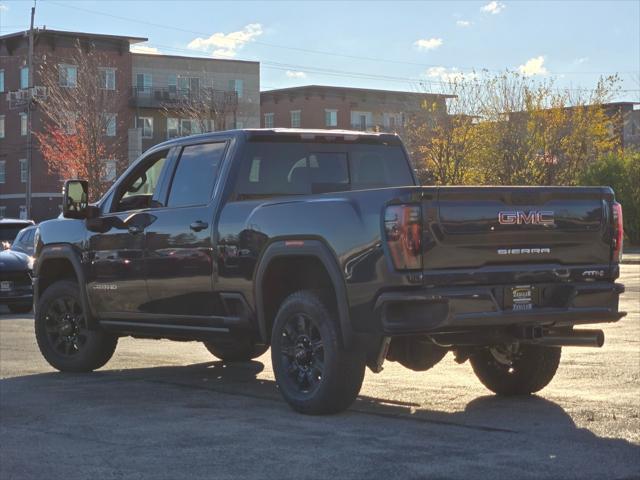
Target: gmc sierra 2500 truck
(322, 246)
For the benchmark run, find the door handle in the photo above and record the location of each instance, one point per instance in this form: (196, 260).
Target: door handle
(135, 229)
(198, 225)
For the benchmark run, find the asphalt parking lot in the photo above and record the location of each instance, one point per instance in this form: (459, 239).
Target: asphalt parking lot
(168, 410)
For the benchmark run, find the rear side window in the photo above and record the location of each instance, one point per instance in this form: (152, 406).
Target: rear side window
(271, 168)
(196, 174)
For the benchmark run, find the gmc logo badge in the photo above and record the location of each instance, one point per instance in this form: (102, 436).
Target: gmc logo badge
(519, 217)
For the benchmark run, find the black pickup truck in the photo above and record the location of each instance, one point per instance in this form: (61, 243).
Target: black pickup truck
(322, 246)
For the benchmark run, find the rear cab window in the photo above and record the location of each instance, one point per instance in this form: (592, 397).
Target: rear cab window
(274, 168)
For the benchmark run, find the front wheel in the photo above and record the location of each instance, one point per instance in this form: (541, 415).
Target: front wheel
(516, 369)
(62, 333)
(315, 373)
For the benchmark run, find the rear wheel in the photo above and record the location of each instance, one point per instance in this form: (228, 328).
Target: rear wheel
(516, 369)
(315, 373)
(63, 335)
(20, 308)
(236, 350)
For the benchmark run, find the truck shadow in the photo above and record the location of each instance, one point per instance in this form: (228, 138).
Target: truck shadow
(529, 420)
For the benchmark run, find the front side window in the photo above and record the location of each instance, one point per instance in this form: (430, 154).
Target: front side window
(295, 119)
(108, 78)
(146, 125)
(137, 190)
(195, 175)
(68, 75)
(24, 77)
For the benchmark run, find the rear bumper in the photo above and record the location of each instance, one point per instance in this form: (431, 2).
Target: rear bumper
(452, 308)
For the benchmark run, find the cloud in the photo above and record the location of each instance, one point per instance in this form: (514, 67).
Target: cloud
(450, 74)
(581, 60)
(428, 43)
(227, 44)
(4, 8)
(493, 8)
(463, 23)
(292, 74)
(145, 49)
(533, 66)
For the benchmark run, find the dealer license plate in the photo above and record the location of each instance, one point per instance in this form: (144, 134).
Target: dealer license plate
(521, 298)
(6, 286)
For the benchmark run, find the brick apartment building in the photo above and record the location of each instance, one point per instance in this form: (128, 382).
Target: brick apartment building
(148, 84)
(316, 106)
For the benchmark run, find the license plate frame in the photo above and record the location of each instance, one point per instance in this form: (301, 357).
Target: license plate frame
(521, 298)
(6, 286)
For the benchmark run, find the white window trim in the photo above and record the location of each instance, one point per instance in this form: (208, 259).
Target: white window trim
(142, 127)
(107, 162)
(108, 117)
(330, 110)
(299, 112)
(67, 65)
(21, 162)
(272, 117)
(24, 121)
(110, 69)
(3, 124)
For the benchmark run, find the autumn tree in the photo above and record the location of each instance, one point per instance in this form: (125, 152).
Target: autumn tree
(79, 118)
(511, 129)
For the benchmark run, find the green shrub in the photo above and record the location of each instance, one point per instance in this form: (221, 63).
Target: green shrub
(622, 173)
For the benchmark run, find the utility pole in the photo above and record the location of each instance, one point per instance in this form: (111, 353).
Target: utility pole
(29, 111)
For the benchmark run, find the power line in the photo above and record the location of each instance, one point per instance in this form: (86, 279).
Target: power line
(307, 50)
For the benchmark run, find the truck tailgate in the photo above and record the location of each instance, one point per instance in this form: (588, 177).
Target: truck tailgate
(510, 228)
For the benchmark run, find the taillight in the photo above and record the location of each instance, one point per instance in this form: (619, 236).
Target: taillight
(618, 232)
(403, 230)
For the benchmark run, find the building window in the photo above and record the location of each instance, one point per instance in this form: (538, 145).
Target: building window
(239, 124)
(144, 82)
(24, 77)
(237, 86)
(24, 125)
(188, 86)
(268, 120)
(3, 171)
(146, 124)
(172, 83)
(295, 118)
(1, 126)
(110, 124)
(3, 212)
(173, 127)
(108, 78)
(68, 75)
(1, 81)
(70, 123)
(23, 212)
(108, 170)
(331, 118)
(23, 170)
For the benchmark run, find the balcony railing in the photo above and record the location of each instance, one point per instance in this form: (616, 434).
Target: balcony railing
(377, 127)
(166, 97)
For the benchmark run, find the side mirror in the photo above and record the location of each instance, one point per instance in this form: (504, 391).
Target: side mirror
(75, 199)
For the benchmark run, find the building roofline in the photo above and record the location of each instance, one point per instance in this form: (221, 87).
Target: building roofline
(206, 59)
(351, 89)
(65, 33)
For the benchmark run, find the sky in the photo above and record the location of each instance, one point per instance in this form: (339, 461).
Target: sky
(401, 45)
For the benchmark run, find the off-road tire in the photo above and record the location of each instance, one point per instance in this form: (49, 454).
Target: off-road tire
(97, 348)
(533, 367)
(20, 308)
(236, 350)
(343, 369)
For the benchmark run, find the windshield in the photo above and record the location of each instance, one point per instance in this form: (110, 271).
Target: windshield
(8, 232)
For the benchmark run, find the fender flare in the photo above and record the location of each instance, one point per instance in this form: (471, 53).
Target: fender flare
(310, 248)
(66, 252)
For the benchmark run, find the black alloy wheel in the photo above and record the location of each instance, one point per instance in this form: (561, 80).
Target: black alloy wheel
(66, 326)
(302, 352)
